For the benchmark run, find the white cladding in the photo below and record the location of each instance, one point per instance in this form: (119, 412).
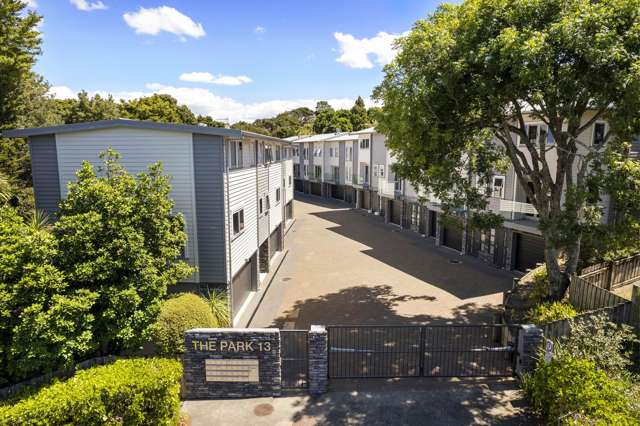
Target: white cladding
(242, 189)
(138, 148)
(288, 171)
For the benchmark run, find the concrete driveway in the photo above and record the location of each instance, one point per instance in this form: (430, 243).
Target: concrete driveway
(376, 402)
(346, 266)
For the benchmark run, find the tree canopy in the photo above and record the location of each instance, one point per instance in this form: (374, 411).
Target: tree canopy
(466, 79)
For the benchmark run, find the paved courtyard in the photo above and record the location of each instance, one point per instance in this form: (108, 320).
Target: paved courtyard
(346, 266)
(376, 402)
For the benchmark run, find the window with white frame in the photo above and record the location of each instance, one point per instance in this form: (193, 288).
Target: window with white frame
(330, 151)
(290, 180)
(599, 133)
(305, 170)
(497, 189)
(234, 151)
(317, 172)
(364, 143)
(238, 222)
(296, 170)
(268, 153)
(350, 153)
(260, 206)
(278, 152)
(277, 196)
(336, 173)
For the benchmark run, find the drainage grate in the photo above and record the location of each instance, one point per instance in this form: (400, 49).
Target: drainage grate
(455, 261)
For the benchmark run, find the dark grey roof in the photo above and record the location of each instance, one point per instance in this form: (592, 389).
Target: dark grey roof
(136, 124)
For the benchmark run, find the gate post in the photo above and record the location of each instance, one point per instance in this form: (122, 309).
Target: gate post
(318, 360)
(530, 340)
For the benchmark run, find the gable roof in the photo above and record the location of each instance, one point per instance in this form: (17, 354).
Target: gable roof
(134, 124)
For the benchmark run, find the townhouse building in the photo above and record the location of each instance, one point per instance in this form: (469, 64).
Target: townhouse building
(517, 245)
(234, 189)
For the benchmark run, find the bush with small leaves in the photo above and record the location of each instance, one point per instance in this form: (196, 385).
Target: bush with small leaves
(127, 392)
(178, 314)
(551, 311)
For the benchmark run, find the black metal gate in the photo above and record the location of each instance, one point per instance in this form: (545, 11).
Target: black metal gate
(294, 347)
(421, 351)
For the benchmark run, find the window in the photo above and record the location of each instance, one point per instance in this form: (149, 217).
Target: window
(268, 203)
(317, 172)
(278, 153)
(348, 174)
(378, 170)
(364, 172)
(290, 181)
(498, 187)
(260, 206)
(277, 195)
(268, 153)
(234, 149)
(238, 222)
(330, 152)
(364, 143)
(336, 173)
(350, 153)
(296, 170)
(305, 171)
(305, 153)
(533, 133)
(599, 133)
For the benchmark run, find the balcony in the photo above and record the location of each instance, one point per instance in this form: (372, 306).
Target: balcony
(387, 189)
(330, 177)
(361, 181)
(509, 206)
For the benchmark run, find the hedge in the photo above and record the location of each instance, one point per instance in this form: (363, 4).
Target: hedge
(177, 315)
(127, 392)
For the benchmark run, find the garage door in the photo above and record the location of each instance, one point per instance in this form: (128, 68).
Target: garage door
(529, 251)
(452, 237)
(337, 192)
(316, 188)
(274, 242)
(366, 200)
(498, 248)
(396, 212)
(433, 221)
(241, 287)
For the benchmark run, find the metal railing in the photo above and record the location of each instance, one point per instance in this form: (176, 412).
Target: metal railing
(510, 206)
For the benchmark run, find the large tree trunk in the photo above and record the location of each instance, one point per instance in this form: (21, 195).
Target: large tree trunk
(560, 270)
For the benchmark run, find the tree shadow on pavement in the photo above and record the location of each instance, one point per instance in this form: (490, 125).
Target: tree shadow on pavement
(373, 305)
(417, 402)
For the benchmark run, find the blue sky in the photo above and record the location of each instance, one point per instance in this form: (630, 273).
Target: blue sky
(230, 59)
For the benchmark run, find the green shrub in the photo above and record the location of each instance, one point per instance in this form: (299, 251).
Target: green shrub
(551, 311)
(219, 302)
(127, 392)
(601, 341)
(178, 314)
(574, 391)
(540, 280)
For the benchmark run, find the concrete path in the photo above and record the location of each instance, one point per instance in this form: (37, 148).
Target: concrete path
(346, 266)
(376, 402)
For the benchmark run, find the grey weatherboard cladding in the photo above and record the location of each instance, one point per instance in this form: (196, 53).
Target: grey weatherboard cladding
(46, 179)
(208, 165)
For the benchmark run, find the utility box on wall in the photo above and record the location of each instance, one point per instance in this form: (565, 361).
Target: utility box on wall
(232, 363)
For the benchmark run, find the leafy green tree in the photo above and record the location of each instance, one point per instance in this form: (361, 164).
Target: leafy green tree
(248, 127)
(162, 108)
(19, 46)
(45, 323)
(457, 95)
(92, 109)
(322, 106)
(343, 121)
(118, 237)
(210, 122)
(359, 118)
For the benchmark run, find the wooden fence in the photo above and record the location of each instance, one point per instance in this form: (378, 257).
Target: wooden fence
(613, 274)
(592, 300)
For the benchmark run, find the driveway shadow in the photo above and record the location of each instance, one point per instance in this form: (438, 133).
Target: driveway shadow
(417, 402)
(463, 276)
(373, 305)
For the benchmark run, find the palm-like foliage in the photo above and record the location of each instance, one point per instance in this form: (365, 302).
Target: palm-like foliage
(219, 302)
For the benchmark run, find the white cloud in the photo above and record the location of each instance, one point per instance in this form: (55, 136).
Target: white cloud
(203, 101)
(259, 30)
(225, 80)
(87, 6)
(62, 92)
(31, 4)
(164, 18)
(354, 52)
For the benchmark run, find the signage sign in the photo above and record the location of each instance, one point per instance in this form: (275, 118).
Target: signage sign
(230, 346)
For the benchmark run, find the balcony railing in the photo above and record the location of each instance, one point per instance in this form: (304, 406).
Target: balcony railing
(387, 189)
(509, 206)
(330, 177)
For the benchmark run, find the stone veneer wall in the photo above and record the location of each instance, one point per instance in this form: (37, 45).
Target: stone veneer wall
(318, 360)
(270, 378)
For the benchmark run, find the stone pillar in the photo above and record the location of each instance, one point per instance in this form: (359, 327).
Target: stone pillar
(509, 250)
(530, 340)
(318, 360)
